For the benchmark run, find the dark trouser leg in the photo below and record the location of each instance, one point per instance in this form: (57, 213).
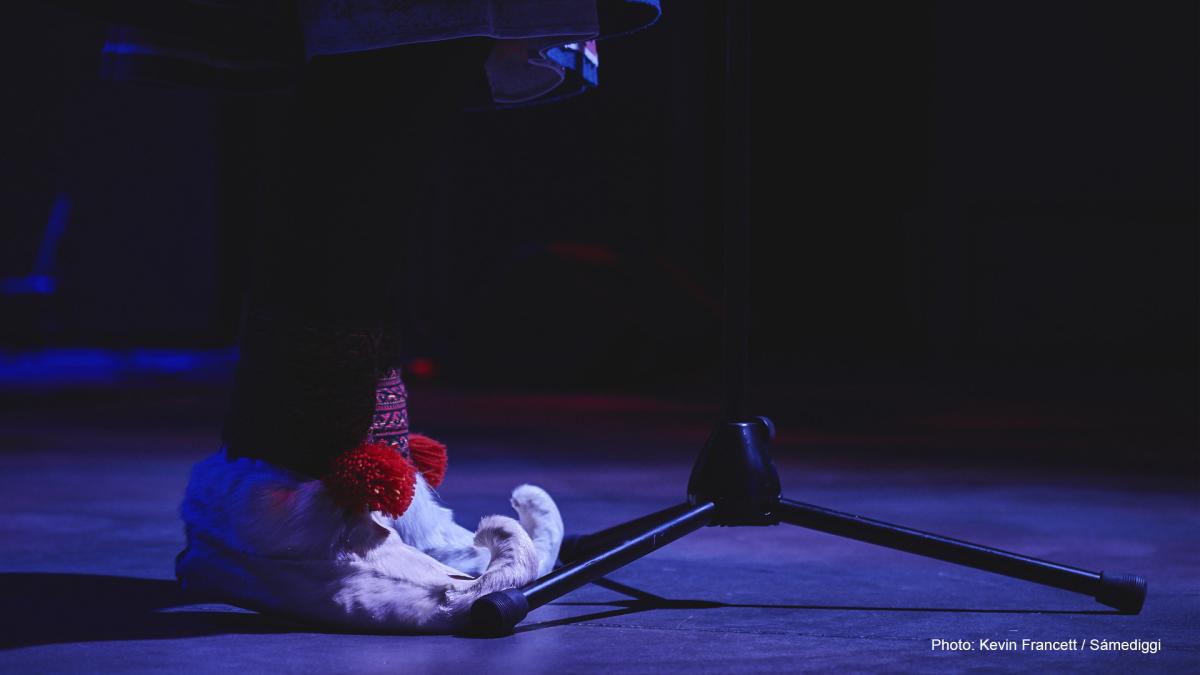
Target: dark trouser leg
(321, 326)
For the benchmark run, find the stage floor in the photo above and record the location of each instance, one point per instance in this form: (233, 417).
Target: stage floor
(89, 484)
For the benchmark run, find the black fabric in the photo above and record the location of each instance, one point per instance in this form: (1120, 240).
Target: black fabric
(255, 46)
(303, 394)
(365, 131)
(258, 28)
(322, 319)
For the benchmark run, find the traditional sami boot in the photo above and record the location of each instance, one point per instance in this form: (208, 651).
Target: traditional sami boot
(320, 507)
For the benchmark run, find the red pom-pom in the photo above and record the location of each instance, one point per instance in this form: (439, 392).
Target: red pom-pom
(429, 456)
(372, 477)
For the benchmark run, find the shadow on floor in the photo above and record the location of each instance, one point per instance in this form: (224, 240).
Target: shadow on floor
(41, 608)
(642, 601)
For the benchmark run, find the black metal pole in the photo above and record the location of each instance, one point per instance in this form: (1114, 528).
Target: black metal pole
(497, 613)
(1125, 592)
(571, 577)
(735, 128)
(575, 546)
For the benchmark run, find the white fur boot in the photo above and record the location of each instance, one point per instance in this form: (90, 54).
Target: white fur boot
(267, 539)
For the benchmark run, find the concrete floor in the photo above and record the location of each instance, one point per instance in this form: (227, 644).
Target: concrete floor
(88, 490)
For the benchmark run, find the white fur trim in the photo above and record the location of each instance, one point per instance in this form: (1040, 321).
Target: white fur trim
(267, 539)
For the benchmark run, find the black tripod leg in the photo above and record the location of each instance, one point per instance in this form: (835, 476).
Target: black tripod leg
(1125, 592)
(497, 613)
(576, 546)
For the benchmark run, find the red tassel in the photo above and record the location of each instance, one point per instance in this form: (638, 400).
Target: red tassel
(372, 477)
(429, 456)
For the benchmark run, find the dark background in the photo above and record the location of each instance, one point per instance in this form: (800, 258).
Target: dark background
(990, 201)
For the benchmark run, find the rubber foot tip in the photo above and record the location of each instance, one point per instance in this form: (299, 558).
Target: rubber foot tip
(498, 613)
(1126, 592)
